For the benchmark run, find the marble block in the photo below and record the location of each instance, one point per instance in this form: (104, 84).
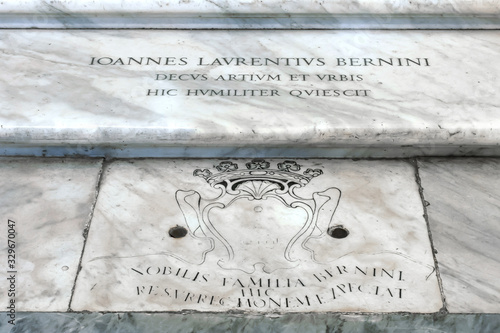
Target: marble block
(125, 89)
(229, 322)
(199, 14)
(45, 204)
(464, 197)
(258, 236)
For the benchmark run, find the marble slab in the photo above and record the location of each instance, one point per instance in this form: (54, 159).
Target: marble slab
(244, 14)
(241, 89)
(464, 198)
(258, 236)
(219, 322)
(45, 204)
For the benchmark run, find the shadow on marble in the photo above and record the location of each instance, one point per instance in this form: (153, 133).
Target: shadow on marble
(251, 14)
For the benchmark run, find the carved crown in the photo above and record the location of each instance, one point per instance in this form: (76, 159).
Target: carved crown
(230, 175)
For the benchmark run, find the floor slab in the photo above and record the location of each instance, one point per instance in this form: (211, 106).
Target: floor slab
(258, 236)
(45, 205)
(464, 198)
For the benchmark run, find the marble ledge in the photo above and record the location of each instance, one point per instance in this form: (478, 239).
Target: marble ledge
(243, 22)
(403, 92)
(252, 14)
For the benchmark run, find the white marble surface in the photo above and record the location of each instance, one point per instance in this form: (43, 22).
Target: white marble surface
(243, 14)
(464, 199)
(253, 6)
(255, 242)
(50, 201)
(50, 95)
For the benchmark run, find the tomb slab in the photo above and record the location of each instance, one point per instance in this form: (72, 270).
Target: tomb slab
(258, 236)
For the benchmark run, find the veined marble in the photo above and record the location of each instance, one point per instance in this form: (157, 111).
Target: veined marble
(223, 322)
(234, 89)
(254, 6)
(464, 198)
(258, 236)
(48, 204)
(243, 14)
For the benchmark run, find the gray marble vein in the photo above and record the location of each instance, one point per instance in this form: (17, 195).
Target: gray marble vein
(50, 201)
(464, 213)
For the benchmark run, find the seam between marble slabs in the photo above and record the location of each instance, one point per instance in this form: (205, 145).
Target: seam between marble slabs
(87, 228)
(243, 313)
(425, 203)
(283, 28)
(273, 315)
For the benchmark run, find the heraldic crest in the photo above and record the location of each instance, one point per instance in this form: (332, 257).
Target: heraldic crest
(257, 221)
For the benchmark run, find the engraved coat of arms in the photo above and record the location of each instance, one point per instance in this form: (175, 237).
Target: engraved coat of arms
(258, 220)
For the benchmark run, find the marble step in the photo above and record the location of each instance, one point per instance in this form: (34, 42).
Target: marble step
(252, 14)
(141, 93)
(353, 240)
